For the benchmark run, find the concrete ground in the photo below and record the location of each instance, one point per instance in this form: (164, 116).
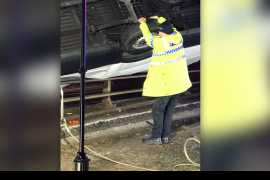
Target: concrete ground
(128, 148)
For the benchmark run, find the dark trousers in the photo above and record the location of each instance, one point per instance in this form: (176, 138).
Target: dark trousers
(162, 111)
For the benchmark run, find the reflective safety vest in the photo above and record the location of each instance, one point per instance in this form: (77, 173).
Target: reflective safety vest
(168, 72)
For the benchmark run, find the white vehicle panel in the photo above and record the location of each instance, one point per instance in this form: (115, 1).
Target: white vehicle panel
(124, 69)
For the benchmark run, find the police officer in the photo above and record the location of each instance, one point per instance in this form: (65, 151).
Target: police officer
(167, 76)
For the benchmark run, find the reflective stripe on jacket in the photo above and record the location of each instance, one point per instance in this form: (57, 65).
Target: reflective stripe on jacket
(168, 71)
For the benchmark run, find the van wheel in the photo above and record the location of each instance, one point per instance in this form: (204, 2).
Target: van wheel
(133, 44)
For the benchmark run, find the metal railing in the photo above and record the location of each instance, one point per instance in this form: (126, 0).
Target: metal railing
(107, 91)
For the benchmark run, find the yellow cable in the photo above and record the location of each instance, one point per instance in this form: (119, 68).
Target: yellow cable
(192, 163)
(102, 156)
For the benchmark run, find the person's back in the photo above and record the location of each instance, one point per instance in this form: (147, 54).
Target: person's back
(168, 62)
(167, 76)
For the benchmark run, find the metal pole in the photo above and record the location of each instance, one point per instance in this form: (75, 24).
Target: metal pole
(81, 161)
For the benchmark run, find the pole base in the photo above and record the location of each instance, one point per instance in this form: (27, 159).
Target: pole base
(81, 162)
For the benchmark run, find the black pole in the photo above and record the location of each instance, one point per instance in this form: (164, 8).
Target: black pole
(81, 161)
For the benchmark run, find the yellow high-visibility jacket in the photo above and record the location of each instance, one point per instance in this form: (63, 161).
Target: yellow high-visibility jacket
(168, 71)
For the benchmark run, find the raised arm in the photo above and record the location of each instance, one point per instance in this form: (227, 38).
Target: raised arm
(146, 32)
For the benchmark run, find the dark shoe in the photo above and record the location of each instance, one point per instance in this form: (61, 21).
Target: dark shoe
(165, 140)
(152, 141)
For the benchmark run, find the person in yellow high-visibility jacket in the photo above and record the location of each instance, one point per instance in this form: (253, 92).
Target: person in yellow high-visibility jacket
(167, 76)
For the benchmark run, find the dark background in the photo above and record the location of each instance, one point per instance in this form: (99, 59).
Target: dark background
(29, 85)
